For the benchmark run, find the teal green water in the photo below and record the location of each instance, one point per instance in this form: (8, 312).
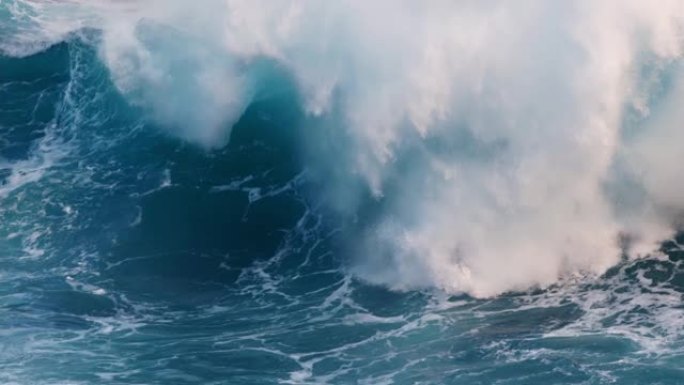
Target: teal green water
(129, 256)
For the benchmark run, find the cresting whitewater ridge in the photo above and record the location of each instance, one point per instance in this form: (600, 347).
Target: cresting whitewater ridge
(341, 192)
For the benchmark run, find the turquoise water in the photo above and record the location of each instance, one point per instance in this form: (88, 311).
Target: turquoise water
(131, 256)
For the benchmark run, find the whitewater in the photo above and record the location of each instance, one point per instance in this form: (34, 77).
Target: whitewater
(341, 192)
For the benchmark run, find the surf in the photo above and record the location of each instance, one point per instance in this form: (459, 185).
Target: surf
(299, 192)
(499, 157)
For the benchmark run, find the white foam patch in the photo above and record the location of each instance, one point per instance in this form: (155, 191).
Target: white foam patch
(504, 121)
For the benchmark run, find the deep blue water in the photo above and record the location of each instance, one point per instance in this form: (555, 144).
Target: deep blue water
(129, 256)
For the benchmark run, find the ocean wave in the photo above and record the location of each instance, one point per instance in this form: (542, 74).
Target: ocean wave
(487, 147)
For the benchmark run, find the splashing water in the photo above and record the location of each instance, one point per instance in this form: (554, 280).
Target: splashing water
(340, 192)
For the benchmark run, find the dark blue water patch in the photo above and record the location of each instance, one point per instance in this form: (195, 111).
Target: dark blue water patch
(78, 303)
(189, 235)
(219, 211)
(382, 302)
(648, 373)
(251, 365)
(36, 69)
(527, 323)
(591, 344)
(30, 89)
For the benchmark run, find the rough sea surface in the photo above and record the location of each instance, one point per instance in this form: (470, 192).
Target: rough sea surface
(132, 255)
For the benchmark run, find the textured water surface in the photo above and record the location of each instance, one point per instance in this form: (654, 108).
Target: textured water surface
(130, 254)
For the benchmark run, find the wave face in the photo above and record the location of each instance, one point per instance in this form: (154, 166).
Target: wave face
(352, 192)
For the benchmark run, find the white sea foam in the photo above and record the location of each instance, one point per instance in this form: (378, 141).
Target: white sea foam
(513, 142)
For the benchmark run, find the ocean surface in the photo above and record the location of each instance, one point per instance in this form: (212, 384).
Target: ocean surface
(134, 252)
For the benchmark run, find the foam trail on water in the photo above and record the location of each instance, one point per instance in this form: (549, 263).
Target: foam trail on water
(493, 132)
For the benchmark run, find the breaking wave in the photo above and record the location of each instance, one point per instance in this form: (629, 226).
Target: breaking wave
(477, 147)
